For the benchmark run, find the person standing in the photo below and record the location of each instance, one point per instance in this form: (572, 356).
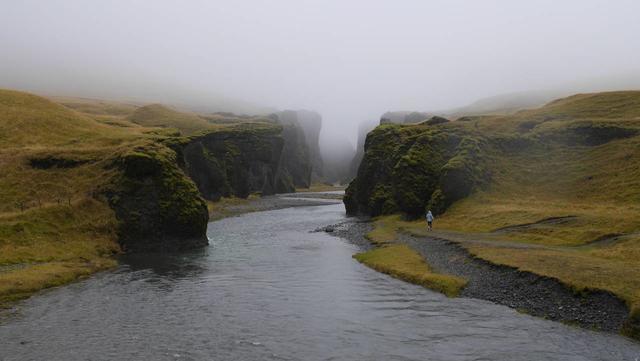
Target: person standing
(430, 220)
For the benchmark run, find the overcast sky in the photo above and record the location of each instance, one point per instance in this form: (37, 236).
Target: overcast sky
(349, 60)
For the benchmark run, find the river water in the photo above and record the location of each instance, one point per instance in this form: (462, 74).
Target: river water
(268, 289)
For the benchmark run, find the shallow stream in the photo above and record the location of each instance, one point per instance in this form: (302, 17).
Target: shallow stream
(268, 289)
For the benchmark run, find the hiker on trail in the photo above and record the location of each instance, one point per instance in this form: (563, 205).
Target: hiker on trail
(430, 220)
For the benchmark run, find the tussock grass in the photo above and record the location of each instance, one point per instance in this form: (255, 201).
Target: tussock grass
(321, 187)
(97, 107)
(400, 261)
(157, 115)
(224, 207)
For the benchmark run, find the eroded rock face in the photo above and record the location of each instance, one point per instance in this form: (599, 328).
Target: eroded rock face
(233, 162)
(311, 123)
(158, 191)
(295, 165)
(301, 161)
(157, 207)
(409, 169)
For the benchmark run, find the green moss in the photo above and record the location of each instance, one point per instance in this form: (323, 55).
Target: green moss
(155, 202)
(407, 168)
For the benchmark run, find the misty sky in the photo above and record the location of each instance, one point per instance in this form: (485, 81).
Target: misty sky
(349, 60)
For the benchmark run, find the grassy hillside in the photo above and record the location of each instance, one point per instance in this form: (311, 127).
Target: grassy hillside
(51, 230)
(58, 166)
(84, 179)
(97, 107)
(157, 115)
(562, 195)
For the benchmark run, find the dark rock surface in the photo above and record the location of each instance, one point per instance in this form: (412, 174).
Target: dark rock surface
(435, 120)
(157, 207)
(409, 168)
(590, 133)
(233, 162)
(296, 157)
(403, 117)
(353, 230)
(311, 124)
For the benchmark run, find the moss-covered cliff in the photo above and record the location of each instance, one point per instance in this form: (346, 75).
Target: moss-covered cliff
(157, 207)
(410, 168)
(234, 161)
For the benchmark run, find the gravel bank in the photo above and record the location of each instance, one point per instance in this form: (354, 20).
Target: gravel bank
(527, 292)
(353, 230)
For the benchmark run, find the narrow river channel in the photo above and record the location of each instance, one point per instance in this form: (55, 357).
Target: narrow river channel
(268, 289)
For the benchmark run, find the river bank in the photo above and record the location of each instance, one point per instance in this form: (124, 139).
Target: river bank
(267, 288)
(20, 280)
(231, 207)
(523, 291)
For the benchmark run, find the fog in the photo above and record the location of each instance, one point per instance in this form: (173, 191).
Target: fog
(349, 60)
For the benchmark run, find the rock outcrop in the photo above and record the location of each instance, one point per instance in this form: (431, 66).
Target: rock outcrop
(234, 161)
(157, 207)
(158, 192)
(410, 168)
(403, 117)
(300, 161)
(311, 124)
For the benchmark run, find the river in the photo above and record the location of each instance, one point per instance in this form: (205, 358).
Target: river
(268, 289)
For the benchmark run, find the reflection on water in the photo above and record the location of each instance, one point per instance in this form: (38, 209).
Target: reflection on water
(267, 289)
(170, 266)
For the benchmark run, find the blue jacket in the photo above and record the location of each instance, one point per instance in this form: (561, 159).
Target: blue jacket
(429, 217)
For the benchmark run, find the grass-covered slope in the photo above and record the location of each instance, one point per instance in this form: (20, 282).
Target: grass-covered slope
(158, 115)
(65, 179)
(564, 178)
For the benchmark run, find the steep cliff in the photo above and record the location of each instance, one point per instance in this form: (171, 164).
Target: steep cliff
(295, 161)
(157, 207)
(233, 161)
(408, 168)
(311, 124)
